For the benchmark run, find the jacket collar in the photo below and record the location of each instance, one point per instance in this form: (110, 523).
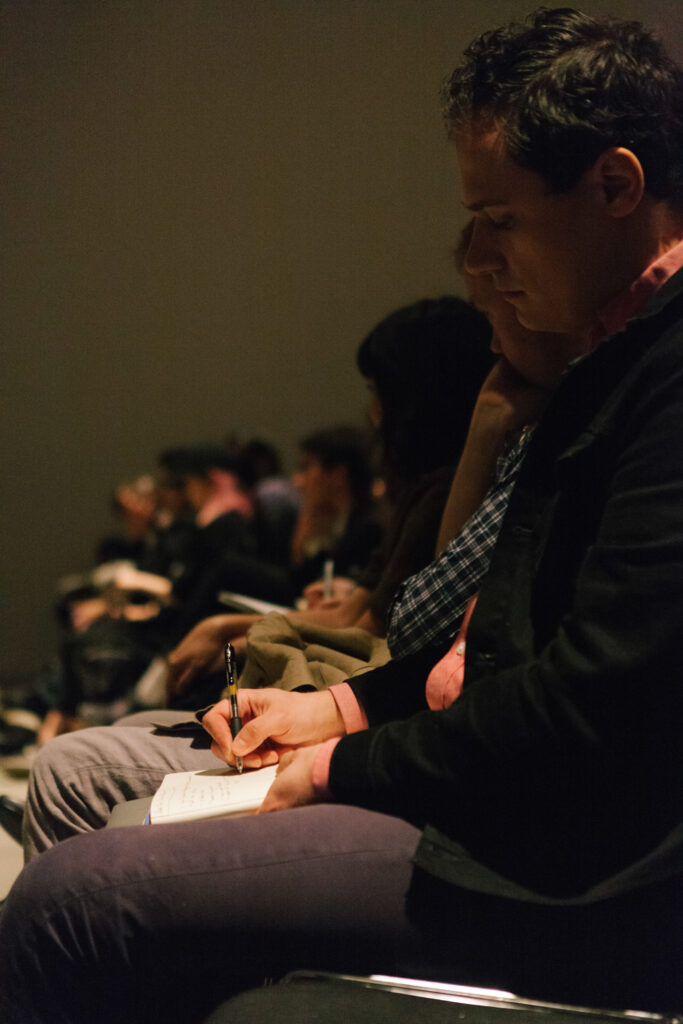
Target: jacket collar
(642, 296)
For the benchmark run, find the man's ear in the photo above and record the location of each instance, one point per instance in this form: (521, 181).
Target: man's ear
(618, 174)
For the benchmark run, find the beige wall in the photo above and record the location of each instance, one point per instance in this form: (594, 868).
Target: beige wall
(209, 202)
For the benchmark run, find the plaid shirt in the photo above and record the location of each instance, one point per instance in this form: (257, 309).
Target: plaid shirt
(428, 607)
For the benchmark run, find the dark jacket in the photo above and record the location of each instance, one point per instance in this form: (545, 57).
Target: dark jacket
(561, 765)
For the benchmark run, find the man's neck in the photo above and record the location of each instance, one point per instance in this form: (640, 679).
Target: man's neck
(668, 228)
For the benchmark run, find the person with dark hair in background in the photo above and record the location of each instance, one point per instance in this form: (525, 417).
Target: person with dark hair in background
(336, 520)
(223, 513)
(144, 609)
(428, 609)
(425, 364)
(276, 503)
(134, 505)
(529, 836)
(336, 517)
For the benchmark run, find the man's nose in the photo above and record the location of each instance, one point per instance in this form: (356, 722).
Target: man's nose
(483, 256)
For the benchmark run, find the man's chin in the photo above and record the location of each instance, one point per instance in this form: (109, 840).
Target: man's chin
(532, 321)
(537, 319)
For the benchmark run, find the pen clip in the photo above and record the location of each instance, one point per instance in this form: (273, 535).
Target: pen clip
(229, 663)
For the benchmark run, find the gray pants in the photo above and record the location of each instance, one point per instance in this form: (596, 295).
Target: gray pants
(78, 778)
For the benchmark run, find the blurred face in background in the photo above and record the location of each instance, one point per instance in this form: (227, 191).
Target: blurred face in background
(375, 411)
(197, 490)
(320, 487)
(170, 491)
(310, 481)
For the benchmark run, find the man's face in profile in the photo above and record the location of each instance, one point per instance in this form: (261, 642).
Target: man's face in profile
(546, 253)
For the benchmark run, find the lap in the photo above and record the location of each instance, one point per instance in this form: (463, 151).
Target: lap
(205, 909)
(162, 922)
(157, 716)
(135, 750)
(77, 779)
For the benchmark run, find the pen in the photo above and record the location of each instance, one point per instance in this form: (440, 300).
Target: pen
(235, 720)
(328, 574)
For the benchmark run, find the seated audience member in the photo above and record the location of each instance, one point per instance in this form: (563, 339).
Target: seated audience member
(135, 507)
(224, 520)
(167, 545)
(115, 637)
(427, 609)
(276, 502)
(425, 364)
(336, 517)
(158, 534)
(512, 397)
(528, 836)
(147, 513)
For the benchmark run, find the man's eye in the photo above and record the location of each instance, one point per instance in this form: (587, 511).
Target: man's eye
(502, 224)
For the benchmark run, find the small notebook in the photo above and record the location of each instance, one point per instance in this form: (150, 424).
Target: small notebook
(213, 793)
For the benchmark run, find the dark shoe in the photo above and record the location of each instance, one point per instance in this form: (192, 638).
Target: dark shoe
(11, 815)
(14, 737)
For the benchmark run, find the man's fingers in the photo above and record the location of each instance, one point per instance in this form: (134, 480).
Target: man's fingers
(250, 761)
(252, 735)
(218, 728)
(251, 742)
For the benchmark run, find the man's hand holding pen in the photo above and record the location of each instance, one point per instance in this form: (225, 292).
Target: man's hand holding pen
(274, 722)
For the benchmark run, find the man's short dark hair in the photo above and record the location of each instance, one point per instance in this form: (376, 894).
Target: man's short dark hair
(343, 446)
(258, 460)
(197, 460)
(563, 87)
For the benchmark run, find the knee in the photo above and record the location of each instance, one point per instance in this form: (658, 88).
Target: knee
(34, 891)
(44, 770)
(53, 772)
(63, 753)
(44, 933)
(47, 894)
(53, 761)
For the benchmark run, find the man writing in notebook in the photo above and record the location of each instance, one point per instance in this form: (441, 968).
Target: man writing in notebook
(536, 821)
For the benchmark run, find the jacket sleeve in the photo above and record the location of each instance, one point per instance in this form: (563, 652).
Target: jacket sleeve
(395, 690)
